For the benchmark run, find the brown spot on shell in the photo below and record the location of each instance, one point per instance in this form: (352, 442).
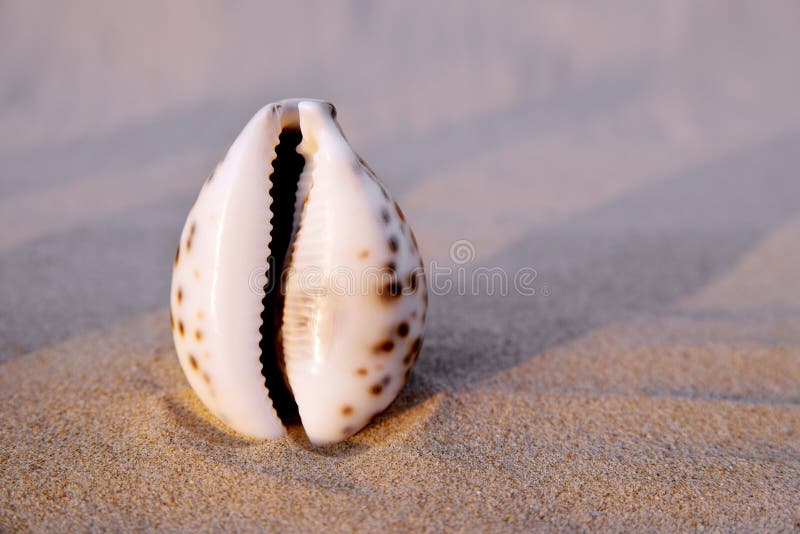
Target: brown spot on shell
(391, 267)
(189, 238)
(363, 254)
(393, 244)
(406, 374)
(177, 254)
(411, 358)
(415, 346)
(376, 389)
(193, 362)
(198, 335)
(386, 380)
(402, 329)
(361, 371)
(385, 215)
(384, 346)
(179, 295)
(399, 212)
(347, 410)
(391, 290)
(214, 172)
(171, 320)
(206, 378)
(196, 273)
(415, 248)
(369, 169)
(200, 315)
(180, 327)
(413, 281)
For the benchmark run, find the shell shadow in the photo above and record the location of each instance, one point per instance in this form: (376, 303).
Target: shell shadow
(201, 428)
(199, 424)
(343, 449)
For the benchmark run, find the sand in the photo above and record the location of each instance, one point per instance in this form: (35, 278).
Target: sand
(644, 161)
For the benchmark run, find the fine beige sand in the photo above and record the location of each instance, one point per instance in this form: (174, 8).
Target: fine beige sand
(643, 161)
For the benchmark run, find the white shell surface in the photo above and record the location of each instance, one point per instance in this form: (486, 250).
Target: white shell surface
(223, 243)
(355, 298)
(347, 342)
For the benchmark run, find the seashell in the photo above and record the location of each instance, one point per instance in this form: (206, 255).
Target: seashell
(298, 288)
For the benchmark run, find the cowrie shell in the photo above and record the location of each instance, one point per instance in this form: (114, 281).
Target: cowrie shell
(298, 287)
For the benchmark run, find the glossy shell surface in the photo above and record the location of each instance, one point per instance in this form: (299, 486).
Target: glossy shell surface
(352, 284)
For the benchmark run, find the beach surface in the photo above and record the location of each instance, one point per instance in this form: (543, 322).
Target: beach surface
(632, 171)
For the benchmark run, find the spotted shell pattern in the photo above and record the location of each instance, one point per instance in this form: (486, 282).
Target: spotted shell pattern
(347, 354)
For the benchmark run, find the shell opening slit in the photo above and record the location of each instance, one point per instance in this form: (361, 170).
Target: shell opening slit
(287, 167)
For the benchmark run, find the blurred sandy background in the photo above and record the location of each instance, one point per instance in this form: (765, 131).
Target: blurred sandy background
(643, 158)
